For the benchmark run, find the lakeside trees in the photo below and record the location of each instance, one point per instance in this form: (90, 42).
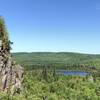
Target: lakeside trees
(37, 87)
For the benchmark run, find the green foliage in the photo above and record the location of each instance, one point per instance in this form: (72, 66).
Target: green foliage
(65, 88)
(67, 61)
(4, 35)
(36, 87)
(3, 30)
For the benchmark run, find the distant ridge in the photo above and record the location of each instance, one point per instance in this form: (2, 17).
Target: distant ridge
(55, 53)
(70, 58)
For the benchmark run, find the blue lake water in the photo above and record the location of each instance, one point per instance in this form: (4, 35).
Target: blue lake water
(79, 73)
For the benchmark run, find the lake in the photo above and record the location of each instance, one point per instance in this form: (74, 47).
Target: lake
(79, 73)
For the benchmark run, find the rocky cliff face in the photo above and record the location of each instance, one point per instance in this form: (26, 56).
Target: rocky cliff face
(11, 74)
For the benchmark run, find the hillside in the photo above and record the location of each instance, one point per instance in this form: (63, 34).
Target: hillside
(57, 59)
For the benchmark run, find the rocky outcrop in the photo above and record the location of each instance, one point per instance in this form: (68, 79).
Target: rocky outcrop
(11, 74)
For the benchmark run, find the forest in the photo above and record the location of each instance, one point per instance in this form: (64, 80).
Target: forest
(60, 60)
(49, 50)
(35, 76)
(41, 82)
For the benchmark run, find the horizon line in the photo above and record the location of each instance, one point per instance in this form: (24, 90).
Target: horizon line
(54, 52)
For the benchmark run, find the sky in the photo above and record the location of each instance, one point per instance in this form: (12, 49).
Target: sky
(53, 25)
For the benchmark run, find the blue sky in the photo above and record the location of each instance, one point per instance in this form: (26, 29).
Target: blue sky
(53, 25)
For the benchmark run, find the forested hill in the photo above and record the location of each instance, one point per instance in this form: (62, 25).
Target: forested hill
(57, 59)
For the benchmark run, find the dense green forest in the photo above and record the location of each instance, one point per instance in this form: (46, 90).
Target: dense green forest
(41, 82)
(47, 85)
(60, 60)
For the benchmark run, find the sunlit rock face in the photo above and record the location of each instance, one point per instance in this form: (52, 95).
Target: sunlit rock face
(11, 74)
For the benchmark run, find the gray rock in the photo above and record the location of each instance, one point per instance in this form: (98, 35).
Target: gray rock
(11, 74)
